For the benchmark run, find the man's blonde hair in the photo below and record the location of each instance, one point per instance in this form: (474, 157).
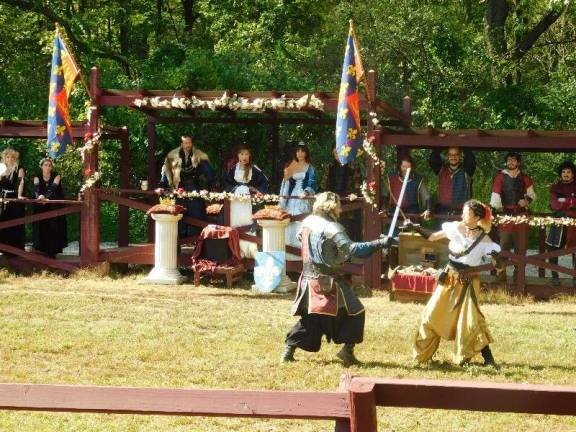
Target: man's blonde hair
(327, 204)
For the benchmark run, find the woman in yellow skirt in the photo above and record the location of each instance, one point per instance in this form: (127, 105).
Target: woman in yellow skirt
(453, 312)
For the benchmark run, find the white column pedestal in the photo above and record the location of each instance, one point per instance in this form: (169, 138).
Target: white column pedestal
(274, 240)
(165, 269)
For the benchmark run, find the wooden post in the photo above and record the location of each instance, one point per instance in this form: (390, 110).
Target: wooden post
(362, 407)
(541, 249)
(407, 111)
(406, 122)
(343, 425)
(90, 215)
(151, 175)
(521, 266)
(123, 215)
(226, 212)
(275, 152)
(371, 226)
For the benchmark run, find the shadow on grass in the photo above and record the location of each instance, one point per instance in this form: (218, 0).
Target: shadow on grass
(536, 367)
(248, 293)
(549, 313)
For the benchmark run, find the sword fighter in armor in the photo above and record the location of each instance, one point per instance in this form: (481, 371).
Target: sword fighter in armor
(325, 302)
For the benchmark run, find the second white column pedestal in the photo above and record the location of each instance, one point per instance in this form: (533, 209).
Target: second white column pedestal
(165, 269)
(274, 240)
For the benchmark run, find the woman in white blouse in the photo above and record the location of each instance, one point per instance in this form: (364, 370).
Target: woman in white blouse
(453, 312)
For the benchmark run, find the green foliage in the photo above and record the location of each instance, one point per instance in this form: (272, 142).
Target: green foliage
(436, 52)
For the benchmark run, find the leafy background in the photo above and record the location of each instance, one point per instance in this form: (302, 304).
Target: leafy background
(500, 64)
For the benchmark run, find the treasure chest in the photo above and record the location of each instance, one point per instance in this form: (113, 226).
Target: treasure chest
(414, 277)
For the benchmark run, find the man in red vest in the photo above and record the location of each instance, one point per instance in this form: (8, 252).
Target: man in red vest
(454, 179)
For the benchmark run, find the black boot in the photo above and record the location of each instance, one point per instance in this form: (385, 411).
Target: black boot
(488, 357)
(346, 354)
(288, 354)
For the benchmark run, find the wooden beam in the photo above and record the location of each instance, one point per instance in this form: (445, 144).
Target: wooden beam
(407, 111)
(185, 402)
(140, 254)
(28, 219)
(275, 150)
(246, 120)
(473, 396)
(50, 262)
(90, 218)
(151, 171)
(483, 142)
(123, 211)
(128, 202)
(362, 406)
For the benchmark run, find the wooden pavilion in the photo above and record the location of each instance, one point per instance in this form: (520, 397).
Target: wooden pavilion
(394, 129)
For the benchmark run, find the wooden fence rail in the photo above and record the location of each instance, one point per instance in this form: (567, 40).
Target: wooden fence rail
(353, 407)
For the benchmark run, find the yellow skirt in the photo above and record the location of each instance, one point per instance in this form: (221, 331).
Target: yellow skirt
(453, 313)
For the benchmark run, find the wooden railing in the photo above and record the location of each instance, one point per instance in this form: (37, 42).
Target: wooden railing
(353, 407)
(69, 207)
(520, 259)
(143, 254)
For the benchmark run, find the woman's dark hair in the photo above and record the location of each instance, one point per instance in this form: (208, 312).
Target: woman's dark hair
(514, 155)
(244, 147)
(304, 147)
(44, 160)
(566, 165)
(477, 208)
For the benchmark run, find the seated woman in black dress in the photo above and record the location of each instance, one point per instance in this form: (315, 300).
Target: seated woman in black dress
(11, 186)
(49, 235)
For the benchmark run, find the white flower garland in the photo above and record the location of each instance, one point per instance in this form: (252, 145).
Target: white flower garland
(535, 221)
(90, 181)
(221, 196)
(89, 144)
(234, 103)
(369, 194)
(370, 149)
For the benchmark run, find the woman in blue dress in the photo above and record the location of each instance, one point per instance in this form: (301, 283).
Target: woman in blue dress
(299, 182)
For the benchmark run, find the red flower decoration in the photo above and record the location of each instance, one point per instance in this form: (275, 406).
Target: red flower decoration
(180, 190)
(372, 186)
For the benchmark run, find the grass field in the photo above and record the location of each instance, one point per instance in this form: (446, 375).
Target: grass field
(103, 331)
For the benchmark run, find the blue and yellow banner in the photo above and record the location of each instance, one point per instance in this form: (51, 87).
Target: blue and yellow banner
(348, 131)
(62, 77)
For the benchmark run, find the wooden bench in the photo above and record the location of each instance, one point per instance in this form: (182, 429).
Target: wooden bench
(231, 274)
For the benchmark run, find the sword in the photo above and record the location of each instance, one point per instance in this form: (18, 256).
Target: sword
(397, 209)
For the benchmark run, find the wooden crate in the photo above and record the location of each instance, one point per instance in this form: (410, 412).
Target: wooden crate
(410, 249)
(410, 252)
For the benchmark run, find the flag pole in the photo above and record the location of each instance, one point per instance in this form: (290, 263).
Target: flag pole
(357, 48)
(62, 33)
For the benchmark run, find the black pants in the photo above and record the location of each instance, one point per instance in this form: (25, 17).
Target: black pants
(343, 328)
